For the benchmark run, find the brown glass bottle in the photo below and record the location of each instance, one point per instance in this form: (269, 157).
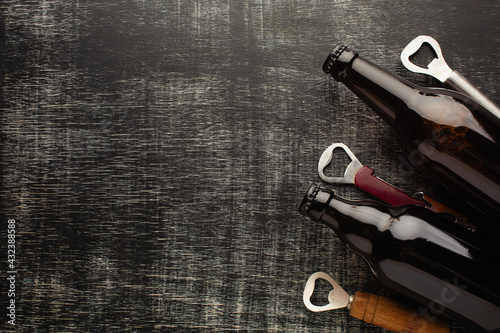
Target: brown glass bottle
(418, 253)
(443, 133)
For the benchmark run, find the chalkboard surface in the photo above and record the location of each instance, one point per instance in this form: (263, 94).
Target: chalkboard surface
(154, 154)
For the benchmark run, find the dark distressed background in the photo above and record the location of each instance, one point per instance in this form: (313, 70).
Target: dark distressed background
(154, 153)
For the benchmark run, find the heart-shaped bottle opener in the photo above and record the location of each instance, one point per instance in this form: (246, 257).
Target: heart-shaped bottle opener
(373, 309)
(337, 298)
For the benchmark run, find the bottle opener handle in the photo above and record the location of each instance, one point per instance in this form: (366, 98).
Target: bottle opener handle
(458, 82)
(366, 181)
(393, 315)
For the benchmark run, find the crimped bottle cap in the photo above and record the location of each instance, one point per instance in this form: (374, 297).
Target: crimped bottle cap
(332, 58)
(309, 198)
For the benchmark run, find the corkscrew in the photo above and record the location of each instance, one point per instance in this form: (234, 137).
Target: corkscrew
(374, 309)
(362, 177)
(439, 69)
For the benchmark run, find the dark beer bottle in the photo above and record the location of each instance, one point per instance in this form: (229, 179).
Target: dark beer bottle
(418, 253)
(445, 134)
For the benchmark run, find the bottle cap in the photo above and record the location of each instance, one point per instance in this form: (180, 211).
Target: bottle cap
(332, 58)
(309, 198)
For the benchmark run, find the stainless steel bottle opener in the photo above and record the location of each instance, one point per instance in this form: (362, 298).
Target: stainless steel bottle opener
(439, 69)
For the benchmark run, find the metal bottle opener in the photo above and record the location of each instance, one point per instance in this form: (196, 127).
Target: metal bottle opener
(362, 177)
(439, 69)
(337, 298)
(373, 309)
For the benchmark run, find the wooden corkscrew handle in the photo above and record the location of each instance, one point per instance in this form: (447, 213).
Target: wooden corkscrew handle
(394, 316)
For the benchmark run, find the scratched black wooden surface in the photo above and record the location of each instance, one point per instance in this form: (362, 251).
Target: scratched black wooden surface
(154, 153)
